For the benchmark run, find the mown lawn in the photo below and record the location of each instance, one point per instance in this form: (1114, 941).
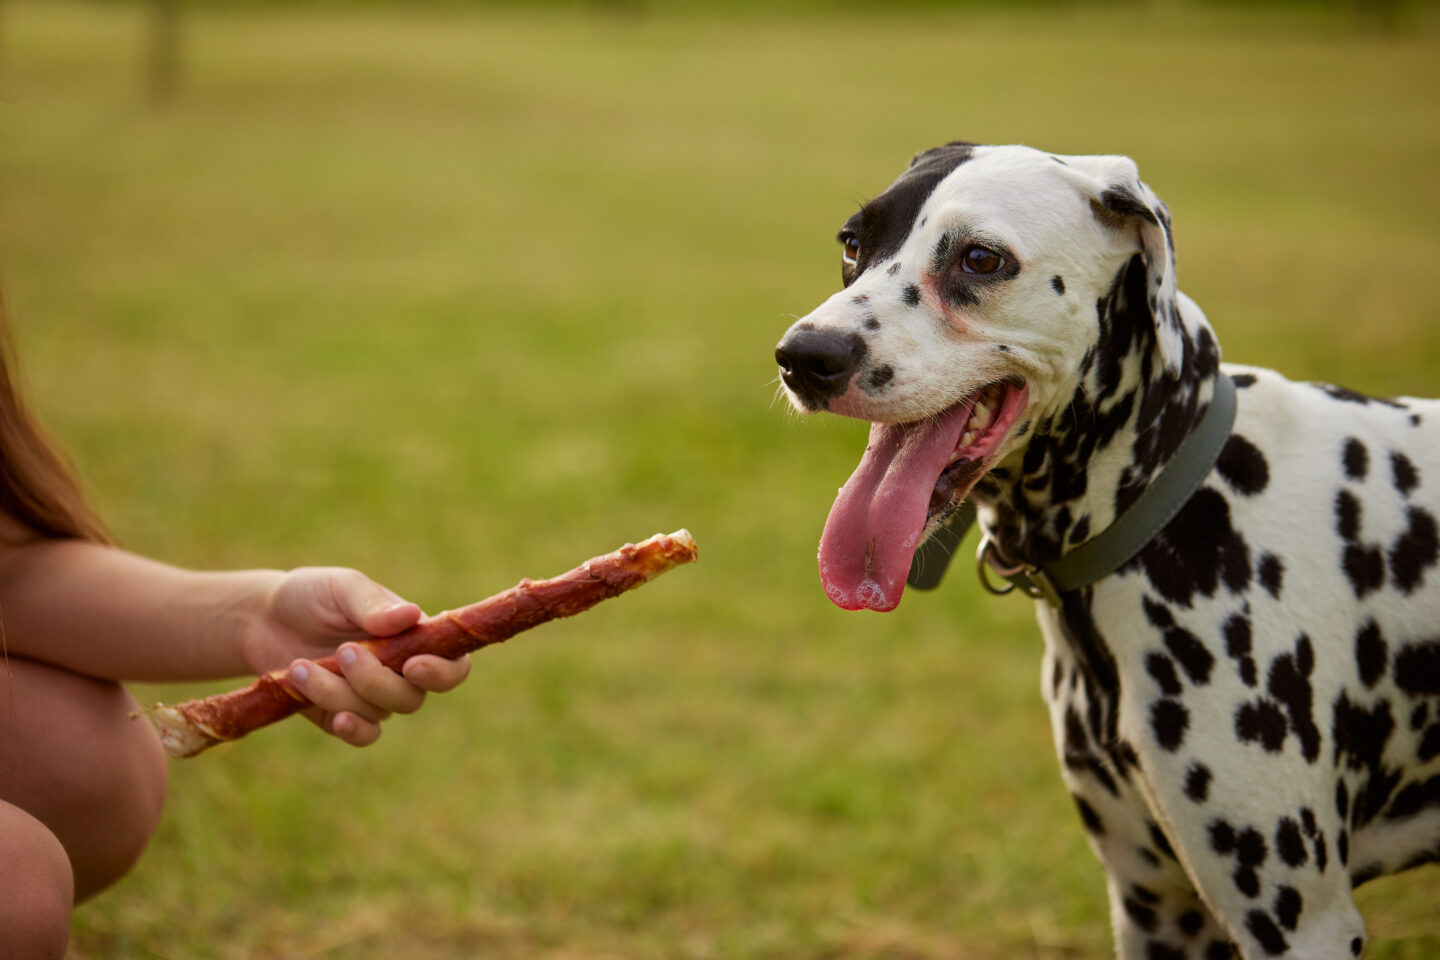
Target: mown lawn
(457, 298)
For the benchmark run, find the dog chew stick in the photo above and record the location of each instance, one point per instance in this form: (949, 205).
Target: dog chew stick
(190, 727)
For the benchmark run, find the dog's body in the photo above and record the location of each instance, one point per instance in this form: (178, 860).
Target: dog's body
(1248, 710)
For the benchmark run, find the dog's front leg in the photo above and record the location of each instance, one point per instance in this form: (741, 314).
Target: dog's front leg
(1155, 911)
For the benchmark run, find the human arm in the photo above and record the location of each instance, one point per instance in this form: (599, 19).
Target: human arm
(115, 615)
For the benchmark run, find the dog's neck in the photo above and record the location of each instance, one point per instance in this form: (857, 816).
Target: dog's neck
(1091, 456)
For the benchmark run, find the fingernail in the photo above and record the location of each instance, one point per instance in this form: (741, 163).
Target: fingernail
(299, 673)
(348, 656)
(341, 724)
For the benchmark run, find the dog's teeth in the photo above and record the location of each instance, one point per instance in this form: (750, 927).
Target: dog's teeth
(968, 439)
(980, 416)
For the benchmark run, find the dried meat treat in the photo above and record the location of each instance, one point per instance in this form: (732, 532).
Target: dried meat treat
(190, 727)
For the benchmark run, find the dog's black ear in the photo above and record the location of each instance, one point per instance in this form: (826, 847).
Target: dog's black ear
(1129, 209)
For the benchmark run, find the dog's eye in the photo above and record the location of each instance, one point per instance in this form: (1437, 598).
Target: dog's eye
(851, 245)
(981, 260)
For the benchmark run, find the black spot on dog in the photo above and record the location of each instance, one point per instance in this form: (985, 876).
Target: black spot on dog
(877, 379)
(1350, 396)
(1237, 645)
(1058, 283)
(1158, 838)
(1220, 950)
(1403, 472)
(1416, 550)
(1080, 532)
(1247, 881)
(1191, 654)
(1415, 797)
(1197, 782)
(1222, 837)
(1271, 573)
(1261, 721)
(911, 295)
(1417, 668)
(1139, 914)
(1243, 380)
(1429, 744)
(1289, 683)
(1419, 716)
(1347, 515)
(1088, 816)
(1159, 950)
(1243, 466)
(1360, 736)
(1356, 459)
(1168, 720)
(1371, 653)
(1197, 551)
(1357, 946)
(1289, 843)
(1157, 613)
(1250, 847)
(1162, 670)
(1287, 906)
(1191, 922)
(1263, 929)
(860, 299)
(1097, 666)
(871, 322)
(1342, 800)
(893, 269)
(1365, 568)
(1077, 745)
(1342, 847)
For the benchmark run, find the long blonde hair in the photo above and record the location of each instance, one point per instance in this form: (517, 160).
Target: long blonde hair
(38, 484)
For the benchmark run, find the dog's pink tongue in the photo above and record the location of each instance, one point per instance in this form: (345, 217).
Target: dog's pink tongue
(875, 524)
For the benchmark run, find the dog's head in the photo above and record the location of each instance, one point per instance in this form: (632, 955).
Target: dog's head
(969, 308)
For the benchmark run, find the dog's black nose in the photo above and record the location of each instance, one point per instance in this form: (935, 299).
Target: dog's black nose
(818, 364)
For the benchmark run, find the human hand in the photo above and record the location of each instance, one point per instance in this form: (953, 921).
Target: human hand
(312, 611)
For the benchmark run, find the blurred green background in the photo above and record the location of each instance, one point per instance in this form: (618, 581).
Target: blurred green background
(458, 295)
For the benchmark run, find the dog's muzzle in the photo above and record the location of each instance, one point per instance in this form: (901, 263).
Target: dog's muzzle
(817, 365)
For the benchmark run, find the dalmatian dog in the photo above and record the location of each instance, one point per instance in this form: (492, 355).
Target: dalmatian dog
(1247, 710)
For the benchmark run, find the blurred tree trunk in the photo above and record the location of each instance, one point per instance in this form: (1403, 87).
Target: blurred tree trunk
(162, 69)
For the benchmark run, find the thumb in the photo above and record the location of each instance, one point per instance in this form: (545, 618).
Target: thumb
(373, 608)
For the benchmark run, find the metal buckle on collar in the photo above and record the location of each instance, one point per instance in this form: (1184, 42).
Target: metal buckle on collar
(1029, 579)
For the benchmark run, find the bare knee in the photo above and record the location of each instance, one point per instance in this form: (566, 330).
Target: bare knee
(94, 776)
(36, 888)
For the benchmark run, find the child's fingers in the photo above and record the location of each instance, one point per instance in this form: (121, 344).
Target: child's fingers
(370, 606)
(436, 674)
(333, 694)
(377, 683)
(356, 731)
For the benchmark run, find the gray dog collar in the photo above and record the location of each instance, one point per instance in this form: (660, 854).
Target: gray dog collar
(1112, 547)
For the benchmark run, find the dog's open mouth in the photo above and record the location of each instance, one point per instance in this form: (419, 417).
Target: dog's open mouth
(910, 473)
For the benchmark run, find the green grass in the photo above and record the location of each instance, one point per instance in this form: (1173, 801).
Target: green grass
(459, 298)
